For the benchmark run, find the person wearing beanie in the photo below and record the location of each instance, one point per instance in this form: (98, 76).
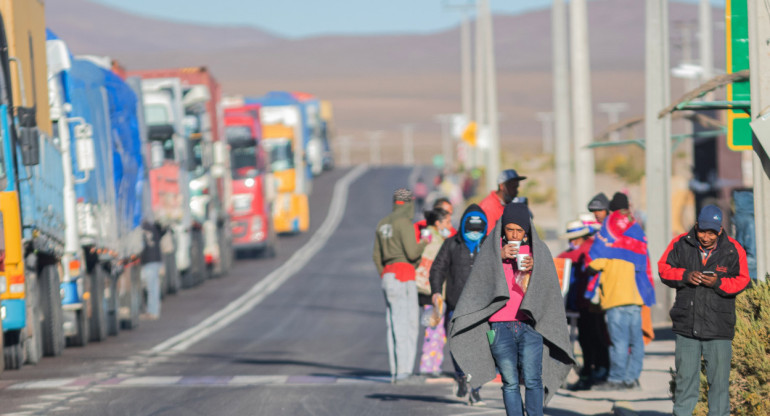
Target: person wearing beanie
(599, 205)
(396, 254)
(507, 189)
(619, 202)
(450, 271)
(511, 316)
(708, 269)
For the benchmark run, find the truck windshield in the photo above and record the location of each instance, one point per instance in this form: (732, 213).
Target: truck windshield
(281, 154)
(243, 160)
(155, 114)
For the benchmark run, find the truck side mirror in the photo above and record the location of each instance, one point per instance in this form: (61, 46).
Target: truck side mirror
(29, 137)
(84, 147)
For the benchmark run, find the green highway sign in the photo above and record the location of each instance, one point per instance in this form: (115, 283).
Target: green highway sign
(737, 31)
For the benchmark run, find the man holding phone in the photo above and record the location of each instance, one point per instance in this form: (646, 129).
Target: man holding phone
(708, 269)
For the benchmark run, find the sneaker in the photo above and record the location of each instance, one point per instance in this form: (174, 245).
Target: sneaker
(474, 399)
(633, 385)
(582, 384)
(461, 389)
(609, 386)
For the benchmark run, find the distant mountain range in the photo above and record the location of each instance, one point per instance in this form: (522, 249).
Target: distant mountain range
(383, 81)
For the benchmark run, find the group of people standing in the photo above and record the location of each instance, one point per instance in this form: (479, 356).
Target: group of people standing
(492, 289)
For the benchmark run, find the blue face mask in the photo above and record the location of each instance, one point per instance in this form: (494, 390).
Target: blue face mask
(474, 235)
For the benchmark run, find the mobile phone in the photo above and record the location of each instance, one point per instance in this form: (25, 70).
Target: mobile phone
(709, 273)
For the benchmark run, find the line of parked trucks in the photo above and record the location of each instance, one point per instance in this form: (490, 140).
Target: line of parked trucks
(90, 154)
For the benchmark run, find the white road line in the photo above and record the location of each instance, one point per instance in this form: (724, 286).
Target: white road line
(271, 282)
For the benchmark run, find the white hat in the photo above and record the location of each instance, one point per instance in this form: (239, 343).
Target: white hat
(576, 229)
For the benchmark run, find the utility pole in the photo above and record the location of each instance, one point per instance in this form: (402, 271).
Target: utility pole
(581, 105)
(759, 63)
(657, 143)
(480, 99)
(563, 145)
(546, 126)
(374, 147)
(613, 111)
(407, 130)
(446, 139)
(706, 35)
(344, 142)
(493, 153)
(685, 29)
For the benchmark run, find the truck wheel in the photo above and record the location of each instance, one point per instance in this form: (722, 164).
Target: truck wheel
(135, 300)
(98, 320)
(13, 353)
(33, 341)
(172, 274)
(113, 305)
(80, 339)
(2, 346)
(53, 317)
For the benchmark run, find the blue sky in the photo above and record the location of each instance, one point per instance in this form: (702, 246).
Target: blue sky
(298, 18)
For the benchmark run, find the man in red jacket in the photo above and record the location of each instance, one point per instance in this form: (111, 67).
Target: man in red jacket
(495, 202)
(592, 330)
(708, 269)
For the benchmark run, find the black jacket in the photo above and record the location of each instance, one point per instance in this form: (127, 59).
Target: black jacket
(700, 311)
(453, 263)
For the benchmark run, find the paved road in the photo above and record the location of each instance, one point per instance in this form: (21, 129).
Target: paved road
(308, 338)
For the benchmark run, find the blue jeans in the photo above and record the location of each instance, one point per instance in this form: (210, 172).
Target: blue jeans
(717, 354)
(624, 324)
(151, 278)
(518, 347)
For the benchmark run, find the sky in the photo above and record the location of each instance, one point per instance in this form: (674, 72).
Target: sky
(301, 18)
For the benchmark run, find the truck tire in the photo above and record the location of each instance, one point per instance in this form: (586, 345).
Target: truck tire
(13, 353)
(113, 305)
(2, 346)
(50, 305)
(135, 298)
(171, 280)
(80, 339)
(98, 319)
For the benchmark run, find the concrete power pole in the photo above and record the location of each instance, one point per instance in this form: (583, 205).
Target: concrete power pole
(480, 100)
(465, 66)
(562, 145)
(546, 124)
(759, 62)
(613, 111)
(374, 147)
(657, 143)
(446, 138)
(408, 130)
(706, 40)
(493, 154)
(581, 106)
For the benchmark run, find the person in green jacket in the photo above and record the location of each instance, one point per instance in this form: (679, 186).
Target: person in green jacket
(396, 255)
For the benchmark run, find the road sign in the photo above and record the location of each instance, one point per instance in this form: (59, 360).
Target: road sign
(737, 31)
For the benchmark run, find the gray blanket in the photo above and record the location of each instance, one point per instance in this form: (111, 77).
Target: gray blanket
(486, 292)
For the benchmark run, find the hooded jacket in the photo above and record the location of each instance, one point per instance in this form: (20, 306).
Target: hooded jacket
(454, 261)
(394, 241)
(486, 291)
(701, 311)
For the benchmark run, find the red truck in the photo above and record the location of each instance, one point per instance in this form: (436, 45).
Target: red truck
(251, 202)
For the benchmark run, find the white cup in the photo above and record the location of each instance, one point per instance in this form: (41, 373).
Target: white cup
(515, 244)
(520, 260)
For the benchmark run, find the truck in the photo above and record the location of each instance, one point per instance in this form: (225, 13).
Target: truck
(170, 175)
(31, 183)
(211, 181)
(310, 111)
(283, 135)
(252, 227)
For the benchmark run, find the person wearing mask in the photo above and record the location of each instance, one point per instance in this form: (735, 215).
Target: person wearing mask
(599, 205)
(509, 316)
(442, 203)
(435, 334)
(396, 254)
(507, 189)
(450, 271)
(592, 330)
(708, 269)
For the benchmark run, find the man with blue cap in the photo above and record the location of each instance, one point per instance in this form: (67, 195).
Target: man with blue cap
(507, 189)
(708, 269)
